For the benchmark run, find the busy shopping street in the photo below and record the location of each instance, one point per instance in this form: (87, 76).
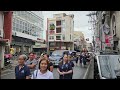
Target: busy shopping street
(79, 72)
(59, 44)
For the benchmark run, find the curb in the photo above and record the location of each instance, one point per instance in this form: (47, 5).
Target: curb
(87, 71)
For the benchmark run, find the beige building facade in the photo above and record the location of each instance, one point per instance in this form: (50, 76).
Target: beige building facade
(79, 40)
(60, 30)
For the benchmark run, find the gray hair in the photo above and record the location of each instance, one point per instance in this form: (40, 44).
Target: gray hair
(24, 56)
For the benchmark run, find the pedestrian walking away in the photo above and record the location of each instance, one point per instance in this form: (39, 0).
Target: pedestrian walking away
(42, 72)
(31, 63)
(83, 59)
(22, 71)
(64, 68)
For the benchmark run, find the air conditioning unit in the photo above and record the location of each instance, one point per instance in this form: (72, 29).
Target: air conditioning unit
(1, 33)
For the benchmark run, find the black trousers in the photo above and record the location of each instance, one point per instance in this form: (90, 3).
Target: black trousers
(76, 60)
(65, 77)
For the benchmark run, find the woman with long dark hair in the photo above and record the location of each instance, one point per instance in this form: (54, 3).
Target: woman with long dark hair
(64, 68)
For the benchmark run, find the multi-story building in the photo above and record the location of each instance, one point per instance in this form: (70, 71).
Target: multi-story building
(115, 28)
(60, 30)
(27, 28)
(5, 33)
(107, 30)
(79, 41)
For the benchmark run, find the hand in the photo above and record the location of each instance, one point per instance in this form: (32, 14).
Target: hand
(61, 73)
(64, 73)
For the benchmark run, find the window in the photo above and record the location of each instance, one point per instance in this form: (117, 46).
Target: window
(63, 29)
(70, 36)
(20, 28)
(16, 25)
(58, 37)
(63, 37)
(50, 37)
(58, 23)
(23, 23)
(13, 20)
(63, 23)
(17, 21)
(20, 22)
(52, 44)
(14, 28)
(13, 24)
(58, 30)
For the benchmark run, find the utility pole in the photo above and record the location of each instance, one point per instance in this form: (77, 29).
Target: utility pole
(92, 21)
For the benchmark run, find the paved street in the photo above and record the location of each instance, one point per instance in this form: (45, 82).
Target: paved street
(91, 71)
(78, 73)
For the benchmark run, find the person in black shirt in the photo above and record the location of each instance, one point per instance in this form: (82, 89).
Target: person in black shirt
(22, 71)
(64, 68)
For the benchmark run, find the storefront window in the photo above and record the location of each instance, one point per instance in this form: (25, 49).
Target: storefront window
(58, 37)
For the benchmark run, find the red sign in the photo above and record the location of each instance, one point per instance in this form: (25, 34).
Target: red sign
(106, 39)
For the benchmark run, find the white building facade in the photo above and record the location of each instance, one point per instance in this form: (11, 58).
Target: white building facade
(27, 27)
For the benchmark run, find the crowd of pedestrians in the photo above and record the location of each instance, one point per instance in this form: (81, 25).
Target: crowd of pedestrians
(32, 67)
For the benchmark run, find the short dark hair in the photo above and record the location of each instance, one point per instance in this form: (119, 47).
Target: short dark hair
(65, 54)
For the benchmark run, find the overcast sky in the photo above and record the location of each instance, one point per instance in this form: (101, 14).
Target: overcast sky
(80, 21)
